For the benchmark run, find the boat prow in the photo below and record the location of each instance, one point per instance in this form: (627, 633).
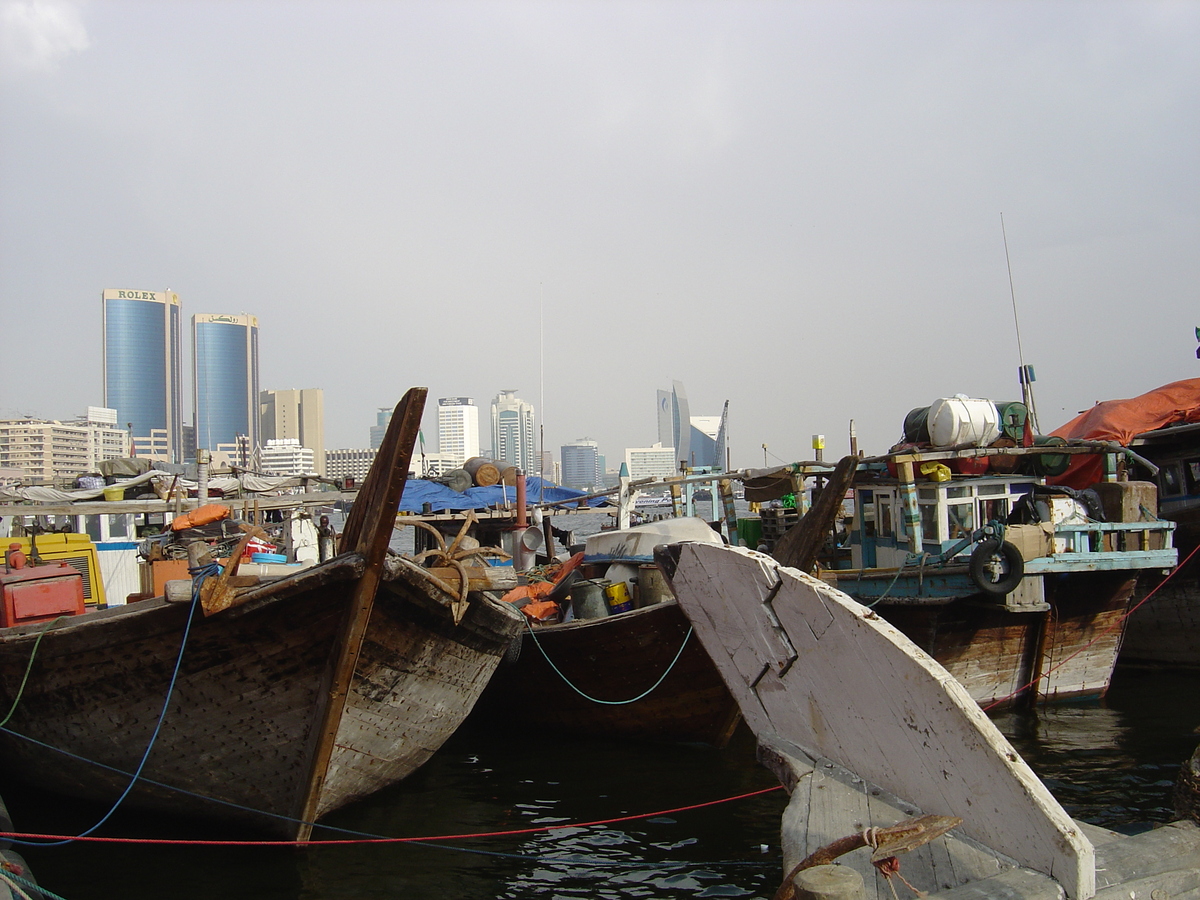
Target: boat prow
(857, 712)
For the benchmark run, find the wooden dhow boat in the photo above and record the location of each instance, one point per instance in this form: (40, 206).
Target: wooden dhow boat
(285, 701)
(635, 674)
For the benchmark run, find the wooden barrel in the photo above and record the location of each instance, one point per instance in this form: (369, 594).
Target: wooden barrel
(508, 473)
(483, 471)
(457, 480)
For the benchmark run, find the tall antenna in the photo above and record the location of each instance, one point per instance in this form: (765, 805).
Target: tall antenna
(542, 386)
(1025, 374)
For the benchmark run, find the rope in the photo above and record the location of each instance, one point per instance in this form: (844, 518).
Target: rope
(1112, 627)
(20, 885)
(199, 574)
(568, 683)
(395, 840)
(29, 668)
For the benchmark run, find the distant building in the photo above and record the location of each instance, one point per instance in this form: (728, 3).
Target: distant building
(458, 429)
(430, 465)
(698, 440)
(296, 414)
(382, 417)
(657, 461)
(142, 372)
(225, 379)
(285, 456)
(514, 438)
(350, 463)
(47, 451)
(582, 468)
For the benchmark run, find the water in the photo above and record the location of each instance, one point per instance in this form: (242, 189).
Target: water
(1112, 763)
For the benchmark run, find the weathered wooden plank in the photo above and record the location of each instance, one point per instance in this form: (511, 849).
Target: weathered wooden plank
(895, 718)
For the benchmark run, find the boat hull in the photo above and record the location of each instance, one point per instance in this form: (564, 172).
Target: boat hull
(613, 659)
(237, 740)
(1004, 657)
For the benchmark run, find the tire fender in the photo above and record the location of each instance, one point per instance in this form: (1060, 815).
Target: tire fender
(982, 556)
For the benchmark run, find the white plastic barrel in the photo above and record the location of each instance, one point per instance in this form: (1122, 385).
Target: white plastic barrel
(963, 420)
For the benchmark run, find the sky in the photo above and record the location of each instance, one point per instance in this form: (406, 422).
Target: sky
(797, 207)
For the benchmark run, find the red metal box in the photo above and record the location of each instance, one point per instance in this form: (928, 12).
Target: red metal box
(38, 593)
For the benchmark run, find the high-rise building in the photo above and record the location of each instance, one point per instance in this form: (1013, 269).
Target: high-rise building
(225, 381)
(458, 428)
(657, 461)
(382, 417)
(581, 465)
(296, 414)
(674, 421)
(514, 438)
(142, 375)
(349, 462)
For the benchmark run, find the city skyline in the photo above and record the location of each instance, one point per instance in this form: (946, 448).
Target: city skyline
(796, 207)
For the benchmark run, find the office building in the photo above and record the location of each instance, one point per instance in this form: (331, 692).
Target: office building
(142, 370)
(458, 429)
(298, 414)
(225, 381)
(582, 468)
(514, 438)
(698, 440)
(349, 463)
(657, 461)
(383, 417)
(285, 456)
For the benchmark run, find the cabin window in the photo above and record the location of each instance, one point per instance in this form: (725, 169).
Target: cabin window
(885, 517)
(929, 522)
(985, 489)
(1171, 482)
(1193, 476)
(993, 509)
(960, 517)
(868, 516)
(91, 527)
(928, 494)
(118, 526)
(958, 492)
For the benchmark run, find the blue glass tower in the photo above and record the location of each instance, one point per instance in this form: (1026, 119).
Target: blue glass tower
(225, 381)
(142, 373)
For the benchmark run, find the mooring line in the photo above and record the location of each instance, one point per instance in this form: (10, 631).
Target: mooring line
(391, 840)
(572, 686)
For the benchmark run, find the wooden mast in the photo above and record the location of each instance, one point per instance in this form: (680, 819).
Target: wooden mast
(368, 531)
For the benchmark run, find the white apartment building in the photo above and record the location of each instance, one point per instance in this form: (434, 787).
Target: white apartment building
(46, 450)
(298, 414)
(285, 456)
(349, 463)
(458, 429)
(643, 462)
(514, 438)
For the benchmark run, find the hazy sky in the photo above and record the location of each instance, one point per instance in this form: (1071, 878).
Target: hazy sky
(792, 206)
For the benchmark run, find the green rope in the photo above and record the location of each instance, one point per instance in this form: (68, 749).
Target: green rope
(568, 683)
(29, 668)
(22, 885)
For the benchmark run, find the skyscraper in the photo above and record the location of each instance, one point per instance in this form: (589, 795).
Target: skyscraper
(142, 374)
(513, 435)
(225, 380)
(458, 428)
(298, 414)
(581, 466)
(674, 421)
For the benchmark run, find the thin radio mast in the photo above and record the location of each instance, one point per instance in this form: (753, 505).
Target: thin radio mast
(542, 386)
(1026, 372)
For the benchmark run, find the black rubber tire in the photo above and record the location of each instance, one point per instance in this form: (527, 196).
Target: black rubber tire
(513, 652)
(982, 555)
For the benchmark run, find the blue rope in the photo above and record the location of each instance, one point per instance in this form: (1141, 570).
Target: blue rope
(567, 681)
(199, 575)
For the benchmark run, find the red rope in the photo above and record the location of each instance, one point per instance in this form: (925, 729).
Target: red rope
(385, 840)
(1113, 626)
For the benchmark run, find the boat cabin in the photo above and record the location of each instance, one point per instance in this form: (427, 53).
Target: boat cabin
(948, 512)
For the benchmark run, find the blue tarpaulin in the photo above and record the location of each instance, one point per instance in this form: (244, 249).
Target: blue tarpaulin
(441, 499)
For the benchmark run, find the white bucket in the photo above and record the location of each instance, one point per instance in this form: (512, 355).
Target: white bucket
(962, 420)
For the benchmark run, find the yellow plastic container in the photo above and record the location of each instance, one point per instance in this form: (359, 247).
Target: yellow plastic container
(115, 492)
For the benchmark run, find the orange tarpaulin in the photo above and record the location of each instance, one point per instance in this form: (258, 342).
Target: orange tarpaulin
(1123, 420)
